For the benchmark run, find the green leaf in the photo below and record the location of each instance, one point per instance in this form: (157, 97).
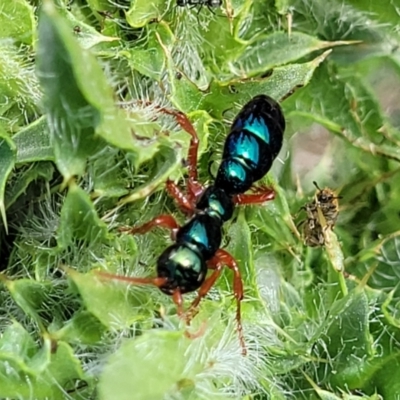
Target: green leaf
(82, 112)
(86, 35)
(142, 12)
(7, 160)
(114, 304)
(277, 49)
(83, 328)
(36, 373)
(283, 81)
(44, 170)
(30, 295)
(170, 164)
(282, 6)
(149, 59)
(33, 143)
(387, 379)
(71, 118)
(162, 361)
(79, 219)
(349, 340)
(17, 343)
(17, 21)
(19, 86)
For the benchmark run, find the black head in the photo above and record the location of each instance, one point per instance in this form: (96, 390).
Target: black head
(184, 268)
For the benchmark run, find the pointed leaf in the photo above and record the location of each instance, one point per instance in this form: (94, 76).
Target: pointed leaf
(17, 21)
(7, 160)
(79, 219)
(33, 142)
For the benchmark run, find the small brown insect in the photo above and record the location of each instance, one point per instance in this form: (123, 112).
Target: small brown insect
(321, 216)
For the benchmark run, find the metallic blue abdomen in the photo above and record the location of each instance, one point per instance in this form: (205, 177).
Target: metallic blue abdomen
(252, 145)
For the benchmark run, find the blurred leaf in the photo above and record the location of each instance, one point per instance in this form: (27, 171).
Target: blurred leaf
(30, 295)
(282, 49)
(79, 219)
(387, 379)
(82, 328)
(241, 247)
(30, 372)
(74, 111)
(142, 12)
(149, 59)
(44, 170)
(282, 82)
(17, 21)
(7, 160)
(348, 109)
(19, 86)
(113, 303)
(385, 11)
(33, 142)
(161, 356)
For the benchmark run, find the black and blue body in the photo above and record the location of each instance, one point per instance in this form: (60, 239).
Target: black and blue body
(253, 143)
(251, 146)
(184, 264)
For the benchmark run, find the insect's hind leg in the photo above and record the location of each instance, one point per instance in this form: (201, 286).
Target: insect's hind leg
(163, 221)
(187, 201)
(260, 195)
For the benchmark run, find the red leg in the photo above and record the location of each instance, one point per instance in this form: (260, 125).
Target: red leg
(186, 125)
(261, 195)
(184, 202)
(220, 259)
(203, 290)
(136, 281)
(194, 187)
(158, 282)
(164, 221)
(177, 298)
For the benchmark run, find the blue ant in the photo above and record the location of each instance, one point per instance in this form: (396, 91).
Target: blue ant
(251, 146)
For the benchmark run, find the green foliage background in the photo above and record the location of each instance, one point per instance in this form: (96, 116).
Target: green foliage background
(85, 150)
